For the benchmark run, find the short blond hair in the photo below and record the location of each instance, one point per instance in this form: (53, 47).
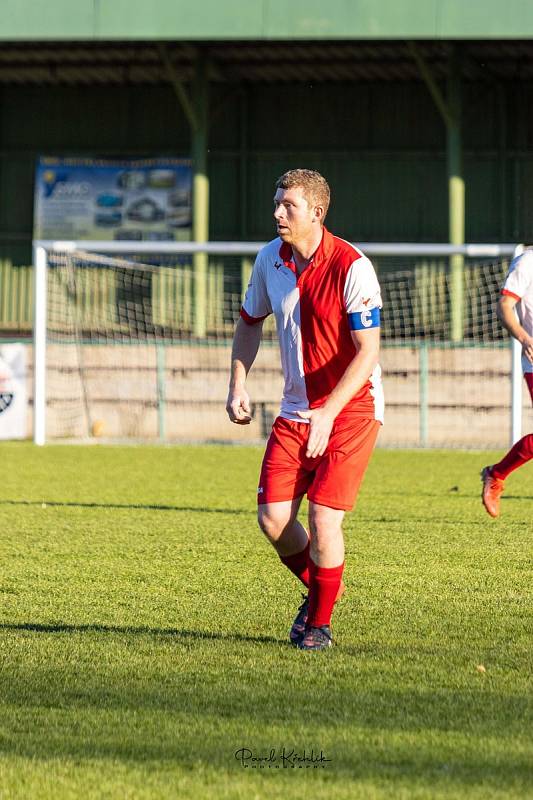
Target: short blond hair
(314, 186)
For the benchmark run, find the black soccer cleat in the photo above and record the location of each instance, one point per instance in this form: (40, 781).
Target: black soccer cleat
(298, 626)
(316, 638)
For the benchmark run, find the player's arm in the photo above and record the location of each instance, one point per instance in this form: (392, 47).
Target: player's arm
(354, 378)
(507, 316)
(245, 346)
(357, 372)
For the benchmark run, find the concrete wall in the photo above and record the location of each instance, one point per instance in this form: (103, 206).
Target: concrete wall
(112, 391)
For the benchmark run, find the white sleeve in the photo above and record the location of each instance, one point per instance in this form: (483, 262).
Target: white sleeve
(256, 305)
(520, 276)
(362, 295)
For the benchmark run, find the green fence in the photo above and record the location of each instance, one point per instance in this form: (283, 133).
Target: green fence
(16, 297)
(106, 300)
(95, 298)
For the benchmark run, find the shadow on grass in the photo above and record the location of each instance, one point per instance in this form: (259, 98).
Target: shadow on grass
(136, 506)
(200, 711)
(142, 630)
(239, 511)
(363, 650)
(372, 649)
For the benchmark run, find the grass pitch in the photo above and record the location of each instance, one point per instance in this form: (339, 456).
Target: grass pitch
(144, 626)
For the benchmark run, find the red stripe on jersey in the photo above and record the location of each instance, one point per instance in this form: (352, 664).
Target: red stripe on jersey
(510, 294)
(327, 342)
(251, 320)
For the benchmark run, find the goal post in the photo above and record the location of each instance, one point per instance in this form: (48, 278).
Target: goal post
(117, 355)
(123, 294)
(39, 345)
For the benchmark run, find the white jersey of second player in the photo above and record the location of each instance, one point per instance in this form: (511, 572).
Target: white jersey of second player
(519, 284)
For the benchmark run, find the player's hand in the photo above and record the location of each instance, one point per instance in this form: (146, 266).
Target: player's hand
(320, 425)
(238, 407)
(527, 348)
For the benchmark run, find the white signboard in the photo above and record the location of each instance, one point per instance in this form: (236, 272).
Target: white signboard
(13, 392)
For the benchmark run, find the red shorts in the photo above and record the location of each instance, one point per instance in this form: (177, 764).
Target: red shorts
(529, 380)
(332, 479)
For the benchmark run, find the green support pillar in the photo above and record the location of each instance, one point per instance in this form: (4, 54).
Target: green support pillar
(450, 108)
(456, 198)
(200, 192)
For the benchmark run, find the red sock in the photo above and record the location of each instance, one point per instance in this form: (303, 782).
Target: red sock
(324, 585)
(298, 563)
(519, 454)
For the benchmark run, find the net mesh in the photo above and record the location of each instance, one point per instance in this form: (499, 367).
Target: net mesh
(445, 390)
(126, 360)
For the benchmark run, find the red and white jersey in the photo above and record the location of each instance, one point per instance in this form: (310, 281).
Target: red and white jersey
(519, 284)
(336, 293)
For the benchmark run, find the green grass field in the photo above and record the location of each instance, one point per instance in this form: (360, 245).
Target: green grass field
(144, 627)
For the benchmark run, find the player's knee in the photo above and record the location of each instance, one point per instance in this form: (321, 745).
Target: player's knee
(324, 524)
(271, 525)
(323, 539)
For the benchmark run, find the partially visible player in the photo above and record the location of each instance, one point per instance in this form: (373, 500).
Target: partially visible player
(326, 300)
(517, 292)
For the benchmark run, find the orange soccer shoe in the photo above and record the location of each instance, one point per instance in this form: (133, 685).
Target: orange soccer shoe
(491, 492)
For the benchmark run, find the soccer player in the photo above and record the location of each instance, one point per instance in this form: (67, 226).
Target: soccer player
(517, 292)
(326, 300)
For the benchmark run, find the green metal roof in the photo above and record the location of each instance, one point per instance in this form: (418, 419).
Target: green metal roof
(212, 20)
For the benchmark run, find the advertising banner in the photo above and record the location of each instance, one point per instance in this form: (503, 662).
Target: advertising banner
(126, 200)
(13, 392)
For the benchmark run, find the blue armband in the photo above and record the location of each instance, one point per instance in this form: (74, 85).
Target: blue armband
(361, 320)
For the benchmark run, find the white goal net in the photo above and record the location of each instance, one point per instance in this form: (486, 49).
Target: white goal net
(120, 353)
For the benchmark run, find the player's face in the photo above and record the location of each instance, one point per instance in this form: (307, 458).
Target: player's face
(295, 219)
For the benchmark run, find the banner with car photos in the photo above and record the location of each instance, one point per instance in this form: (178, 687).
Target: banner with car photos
(13, 392)
(120, 200)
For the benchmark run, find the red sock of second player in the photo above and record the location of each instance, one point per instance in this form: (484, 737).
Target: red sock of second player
(519, 454)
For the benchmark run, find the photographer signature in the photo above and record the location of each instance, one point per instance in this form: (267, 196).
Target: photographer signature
(284, 758)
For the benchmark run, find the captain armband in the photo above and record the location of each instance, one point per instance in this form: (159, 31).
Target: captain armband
(361, 320)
